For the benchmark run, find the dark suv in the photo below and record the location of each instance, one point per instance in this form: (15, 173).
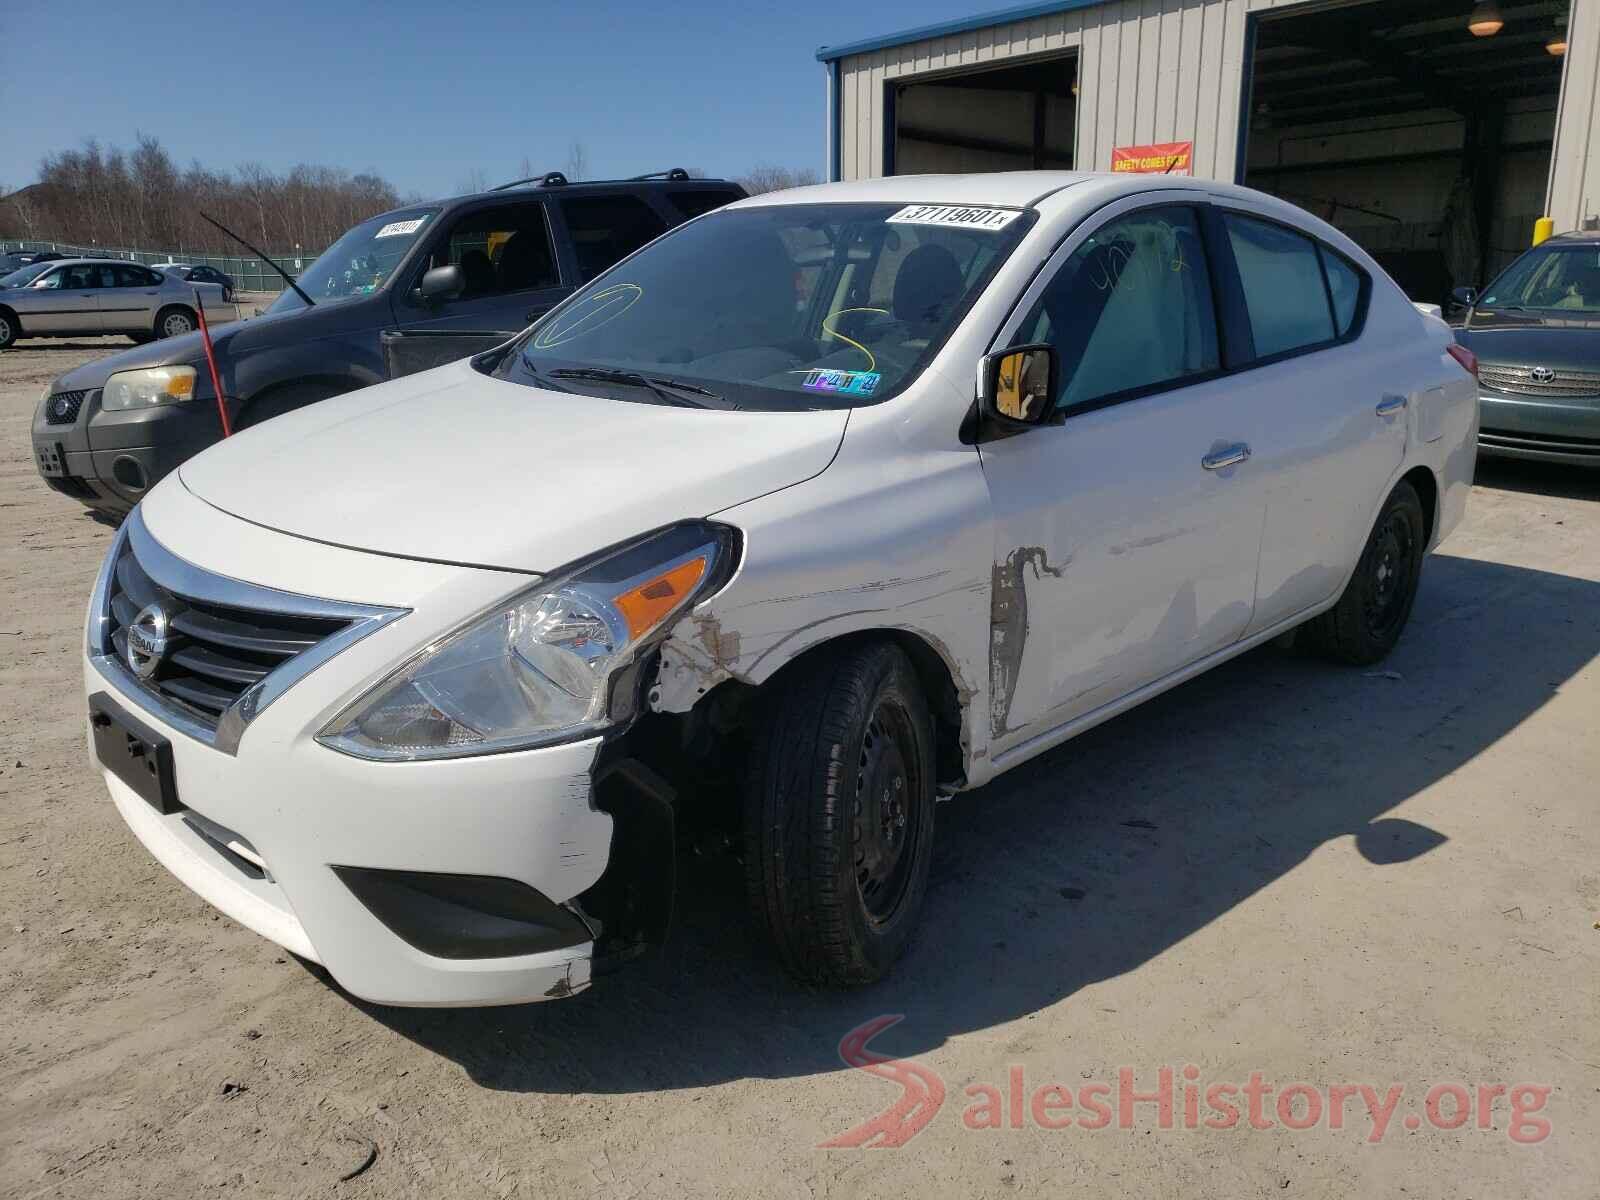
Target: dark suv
(406, 290)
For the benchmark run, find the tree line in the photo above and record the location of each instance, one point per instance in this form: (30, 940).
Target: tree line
(140, 198)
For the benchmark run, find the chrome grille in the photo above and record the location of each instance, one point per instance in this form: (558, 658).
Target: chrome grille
(215, 652)
(1520, 381)
(61, 408)
(204, 652)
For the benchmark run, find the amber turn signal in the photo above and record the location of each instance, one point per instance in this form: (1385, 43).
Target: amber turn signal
(645, 605)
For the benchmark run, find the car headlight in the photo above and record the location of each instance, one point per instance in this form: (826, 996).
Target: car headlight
(147, 388)
(551, 664)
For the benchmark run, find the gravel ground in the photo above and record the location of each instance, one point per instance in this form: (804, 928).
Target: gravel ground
(1325, 876)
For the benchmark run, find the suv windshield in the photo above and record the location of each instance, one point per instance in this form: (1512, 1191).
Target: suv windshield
(360, 262)
(779, 308)
(1559, 278)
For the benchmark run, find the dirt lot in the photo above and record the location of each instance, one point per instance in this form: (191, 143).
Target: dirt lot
(1325, 876)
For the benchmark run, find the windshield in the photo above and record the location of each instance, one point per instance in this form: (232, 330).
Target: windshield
(778, 308)
(1558, 278)
(360, 262)
(23, 276)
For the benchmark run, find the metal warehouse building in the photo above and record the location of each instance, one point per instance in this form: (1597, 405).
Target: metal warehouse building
(1434, 132)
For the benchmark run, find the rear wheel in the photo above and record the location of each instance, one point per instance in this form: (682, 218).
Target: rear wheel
(1367, 621)
(839, 814)
(174, 322)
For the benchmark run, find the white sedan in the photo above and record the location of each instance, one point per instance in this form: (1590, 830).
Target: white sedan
(815, 508)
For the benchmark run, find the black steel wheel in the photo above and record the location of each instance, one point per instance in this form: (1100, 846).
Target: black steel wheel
(1367, 621)
(839, 798)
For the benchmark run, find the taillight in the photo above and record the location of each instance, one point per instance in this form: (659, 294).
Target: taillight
(1465, 357)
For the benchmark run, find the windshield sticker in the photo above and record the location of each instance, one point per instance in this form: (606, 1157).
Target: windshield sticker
(400, 228)
(955, 214)
(852, 383)
(588, 314)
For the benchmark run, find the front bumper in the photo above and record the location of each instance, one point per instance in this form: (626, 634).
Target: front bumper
(1539, 428)
(108, 461)
(265, 832)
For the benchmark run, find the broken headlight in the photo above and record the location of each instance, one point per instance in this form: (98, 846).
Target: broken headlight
(543, 667)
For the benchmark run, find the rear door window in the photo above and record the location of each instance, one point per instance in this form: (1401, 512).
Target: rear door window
(701, 200)
(606, 229)
(1284, 293)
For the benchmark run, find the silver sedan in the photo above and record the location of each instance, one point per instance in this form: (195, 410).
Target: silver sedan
(77, 297)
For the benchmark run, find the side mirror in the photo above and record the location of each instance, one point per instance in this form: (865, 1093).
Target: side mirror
(1466, 297)
(1019, 387)
(442, 283)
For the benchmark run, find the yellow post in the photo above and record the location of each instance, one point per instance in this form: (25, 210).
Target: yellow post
(1542, 229)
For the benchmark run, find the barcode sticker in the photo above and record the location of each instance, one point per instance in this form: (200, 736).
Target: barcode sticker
(964, 216)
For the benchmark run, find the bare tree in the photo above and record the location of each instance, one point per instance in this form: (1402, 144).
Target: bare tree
(577, 161)
(764, 177)
(142, 200)
(475, 180)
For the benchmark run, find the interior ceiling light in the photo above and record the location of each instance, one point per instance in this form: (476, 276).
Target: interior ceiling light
(1485, 20)
(1557, 45)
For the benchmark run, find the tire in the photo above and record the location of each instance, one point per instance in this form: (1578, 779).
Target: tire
(10, 330)
(1367, 621)
(286, 399)
(141, 339)
(839, 802)
(174, 321)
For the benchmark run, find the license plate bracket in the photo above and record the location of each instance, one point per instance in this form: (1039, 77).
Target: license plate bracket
(134, 753)
(52, 459)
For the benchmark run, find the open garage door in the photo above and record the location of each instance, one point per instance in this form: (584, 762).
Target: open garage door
(1429, 144)
(1017, 117)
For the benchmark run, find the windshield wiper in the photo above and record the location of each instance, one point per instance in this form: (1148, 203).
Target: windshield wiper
(655, 383)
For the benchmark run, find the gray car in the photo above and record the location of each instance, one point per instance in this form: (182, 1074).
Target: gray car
(78, 297)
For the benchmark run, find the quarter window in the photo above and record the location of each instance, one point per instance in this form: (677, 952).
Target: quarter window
(1344, 286)
(1130, 310)
(1284, 293)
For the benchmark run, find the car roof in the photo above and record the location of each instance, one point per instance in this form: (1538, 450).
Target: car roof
(1576, 235)
(73, 262)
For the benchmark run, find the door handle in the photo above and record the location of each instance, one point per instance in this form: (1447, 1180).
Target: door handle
(1227, 456)
(1389, 405)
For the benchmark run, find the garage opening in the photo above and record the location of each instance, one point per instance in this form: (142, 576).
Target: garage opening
(1021, 116)
(1427, 141)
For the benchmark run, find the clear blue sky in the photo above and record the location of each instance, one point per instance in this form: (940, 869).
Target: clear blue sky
(424, 93)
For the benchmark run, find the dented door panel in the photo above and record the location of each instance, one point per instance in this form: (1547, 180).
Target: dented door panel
(1118, 557)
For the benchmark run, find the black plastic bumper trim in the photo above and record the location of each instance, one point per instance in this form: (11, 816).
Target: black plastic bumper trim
(465, 916)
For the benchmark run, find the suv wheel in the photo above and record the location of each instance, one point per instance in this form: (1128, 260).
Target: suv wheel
(839, 814)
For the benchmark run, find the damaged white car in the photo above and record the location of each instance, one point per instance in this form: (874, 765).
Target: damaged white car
(813, 510)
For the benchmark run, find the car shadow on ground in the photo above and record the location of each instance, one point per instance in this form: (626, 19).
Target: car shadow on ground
(1083, 864)
(1539, 479)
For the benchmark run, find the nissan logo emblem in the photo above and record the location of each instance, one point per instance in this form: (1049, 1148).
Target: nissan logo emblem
(147, 640)
(1542, 375)
(61, 406)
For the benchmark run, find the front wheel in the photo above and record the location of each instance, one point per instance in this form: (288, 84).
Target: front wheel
(1367, 621)
(8, 330)
(839, 800)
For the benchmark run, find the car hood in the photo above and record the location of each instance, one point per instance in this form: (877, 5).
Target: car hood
(453, 466)
(1569, 344)
(187, 348)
